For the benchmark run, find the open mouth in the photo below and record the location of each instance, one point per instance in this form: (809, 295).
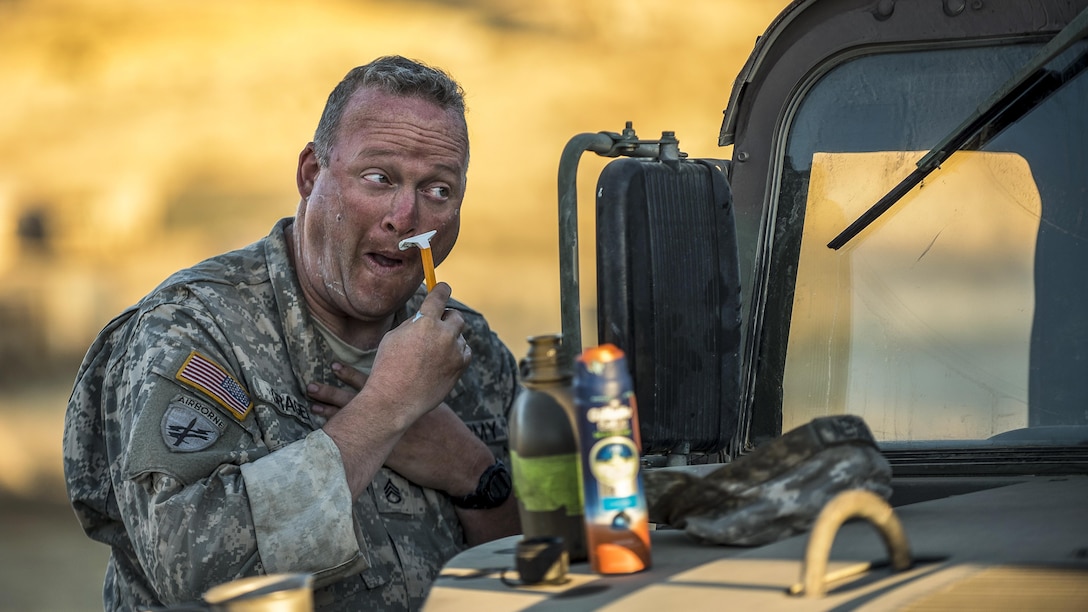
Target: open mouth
(387, 259)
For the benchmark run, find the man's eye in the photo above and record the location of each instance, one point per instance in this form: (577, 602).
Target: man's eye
(376, 177)
(441, 192)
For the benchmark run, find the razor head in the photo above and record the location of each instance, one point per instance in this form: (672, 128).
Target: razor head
(422, 241)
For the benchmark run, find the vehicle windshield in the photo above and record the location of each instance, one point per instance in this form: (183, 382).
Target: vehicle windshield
(962, 312)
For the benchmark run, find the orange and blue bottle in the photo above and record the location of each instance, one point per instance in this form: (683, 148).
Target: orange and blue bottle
(617, 522)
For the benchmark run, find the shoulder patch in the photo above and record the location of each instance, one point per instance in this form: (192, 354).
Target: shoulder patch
(189, 426)
(205, 375)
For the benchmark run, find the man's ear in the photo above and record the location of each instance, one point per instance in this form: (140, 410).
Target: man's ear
(307, 170)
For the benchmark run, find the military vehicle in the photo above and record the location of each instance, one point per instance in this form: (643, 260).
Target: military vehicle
(900, 234)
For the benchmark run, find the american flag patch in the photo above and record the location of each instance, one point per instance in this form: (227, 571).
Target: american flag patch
(204, 374)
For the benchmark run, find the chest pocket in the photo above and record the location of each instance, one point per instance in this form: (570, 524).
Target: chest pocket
(416, 531)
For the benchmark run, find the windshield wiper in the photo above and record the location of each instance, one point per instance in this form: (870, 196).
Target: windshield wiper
(1023, 92)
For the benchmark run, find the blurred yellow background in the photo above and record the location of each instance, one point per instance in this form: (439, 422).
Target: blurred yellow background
(140, 136)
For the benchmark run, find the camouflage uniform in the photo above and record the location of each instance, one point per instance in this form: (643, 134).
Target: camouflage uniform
(189, 447)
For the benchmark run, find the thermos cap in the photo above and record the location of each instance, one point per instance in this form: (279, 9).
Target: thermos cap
(546, 361)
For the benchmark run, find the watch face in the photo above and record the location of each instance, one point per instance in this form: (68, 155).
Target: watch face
(494, 488)
(499, 487)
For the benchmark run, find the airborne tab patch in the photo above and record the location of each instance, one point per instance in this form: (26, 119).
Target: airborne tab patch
(205, 375)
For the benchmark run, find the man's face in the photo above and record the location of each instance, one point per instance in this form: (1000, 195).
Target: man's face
(396, 169)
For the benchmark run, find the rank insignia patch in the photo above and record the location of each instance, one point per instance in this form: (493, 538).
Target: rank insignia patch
(185, 430)
(205, 375)
(392, 493)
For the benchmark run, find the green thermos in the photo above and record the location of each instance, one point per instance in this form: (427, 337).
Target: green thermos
(544, 451)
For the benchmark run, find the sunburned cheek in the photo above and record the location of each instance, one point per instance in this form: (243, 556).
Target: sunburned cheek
(446, 237)
(339, 206)
(449, 225)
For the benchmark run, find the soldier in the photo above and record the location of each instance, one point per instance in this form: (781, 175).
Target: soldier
(304, 404)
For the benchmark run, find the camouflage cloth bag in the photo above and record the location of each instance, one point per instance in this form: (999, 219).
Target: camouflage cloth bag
(774, 492)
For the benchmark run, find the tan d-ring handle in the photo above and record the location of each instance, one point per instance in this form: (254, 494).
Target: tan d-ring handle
(843, 507)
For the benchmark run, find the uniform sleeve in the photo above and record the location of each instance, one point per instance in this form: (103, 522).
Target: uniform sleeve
(301, 508)
(204, 509)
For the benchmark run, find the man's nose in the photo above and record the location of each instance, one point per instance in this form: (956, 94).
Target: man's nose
(403, 214)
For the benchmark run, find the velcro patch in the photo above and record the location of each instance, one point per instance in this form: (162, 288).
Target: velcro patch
(189, 426)
(205, 375)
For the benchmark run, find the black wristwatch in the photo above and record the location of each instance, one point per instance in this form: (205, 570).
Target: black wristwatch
(492, 490)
